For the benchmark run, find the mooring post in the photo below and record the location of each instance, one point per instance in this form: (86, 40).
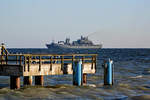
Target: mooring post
(84, 78)
(14, 82)
(39, 80)
(77, 73)
(27, 80)
(108, 72)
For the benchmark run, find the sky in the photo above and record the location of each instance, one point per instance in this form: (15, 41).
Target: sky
(114, 23)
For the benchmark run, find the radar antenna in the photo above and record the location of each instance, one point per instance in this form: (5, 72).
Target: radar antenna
(53, 39)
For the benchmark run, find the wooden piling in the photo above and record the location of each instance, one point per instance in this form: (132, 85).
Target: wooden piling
(84, 78)
(14, 82)
(27, 80)
(39, 80)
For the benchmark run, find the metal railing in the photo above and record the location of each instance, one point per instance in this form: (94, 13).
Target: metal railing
(30, 59)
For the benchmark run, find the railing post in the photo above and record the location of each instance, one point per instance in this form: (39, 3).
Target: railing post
(16, 59)
(62, 62)
(95, 61)
(25, 63)
(72, 60)
(29, 63)
(20, 59)
(82, 60)
(51, 62)
(92, 62)
(40, 63)
(2, 54)
(3, 48)
(6, 58)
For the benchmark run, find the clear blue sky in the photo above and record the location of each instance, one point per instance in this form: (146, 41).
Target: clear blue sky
(117, 23)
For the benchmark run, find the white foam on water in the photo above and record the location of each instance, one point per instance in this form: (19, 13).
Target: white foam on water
(90, 85)
(139, 76)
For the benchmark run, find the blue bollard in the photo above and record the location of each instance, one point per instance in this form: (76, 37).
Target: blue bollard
(77, 73)
(108, 72)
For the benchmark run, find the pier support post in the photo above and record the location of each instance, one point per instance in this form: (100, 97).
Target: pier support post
(84, 78)
(14, 82)
(77, 73)
(39, 80)
(27, 80)
(108, 72)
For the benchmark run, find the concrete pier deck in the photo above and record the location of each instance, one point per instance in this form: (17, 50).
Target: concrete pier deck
(34, 65)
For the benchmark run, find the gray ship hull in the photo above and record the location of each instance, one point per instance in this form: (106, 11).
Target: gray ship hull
(59, 46)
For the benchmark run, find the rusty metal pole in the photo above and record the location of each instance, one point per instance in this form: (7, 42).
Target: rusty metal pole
(39, 80)
(14, 82)
(27, 80)
(84, 78)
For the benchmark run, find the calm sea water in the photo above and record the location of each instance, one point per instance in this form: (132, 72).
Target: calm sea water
(132, 79)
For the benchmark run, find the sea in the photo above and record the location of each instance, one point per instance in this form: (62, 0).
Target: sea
(131, 78)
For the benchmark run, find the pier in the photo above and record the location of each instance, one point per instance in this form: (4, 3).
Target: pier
(39, 65)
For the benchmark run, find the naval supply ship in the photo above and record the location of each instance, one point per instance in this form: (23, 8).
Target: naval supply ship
(82, 43)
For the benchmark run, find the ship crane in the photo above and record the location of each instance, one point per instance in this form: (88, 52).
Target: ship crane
(91, 34)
